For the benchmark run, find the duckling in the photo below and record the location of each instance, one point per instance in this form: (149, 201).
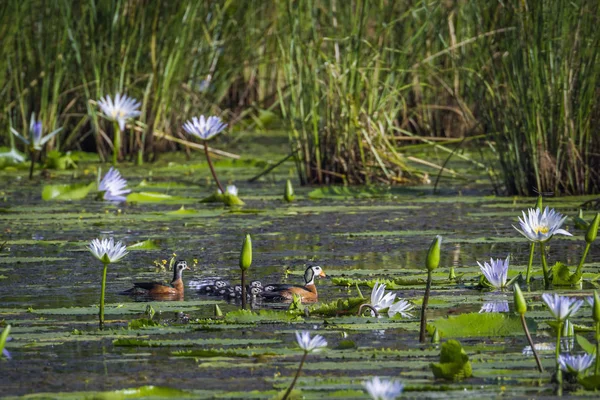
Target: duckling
(307, 293)
(156, 289)
(211, 287)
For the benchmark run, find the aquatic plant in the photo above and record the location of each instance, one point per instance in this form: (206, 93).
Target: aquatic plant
(594, 301)
(539, 227)
(400, 307)
(431, 263)
(205, 129)
(590, 237)
(288, 193)
(3, 340)
(521, 308)
(112, 186)
(383, 389)
(118, 110)
(379, 299)
(539, 207)
(575, 364)
(245, 263)
(107, 251)
(309, 345)
(496, 272)
(454, 362)
(35, 140)
(561, 307)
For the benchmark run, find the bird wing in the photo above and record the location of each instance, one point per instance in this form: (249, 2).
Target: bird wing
(150, 285)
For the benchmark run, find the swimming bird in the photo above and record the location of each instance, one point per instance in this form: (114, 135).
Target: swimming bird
(307, 293)
(173, 291)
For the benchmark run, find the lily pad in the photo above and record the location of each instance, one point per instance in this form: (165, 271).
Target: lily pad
(480, 325)
(77, 191)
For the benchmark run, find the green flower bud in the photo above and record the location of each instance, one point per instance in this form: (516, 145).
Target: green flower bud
(452, 274)
(433, 255)
(520, 303)
(435, 338)
(218, 312)
(596, 308)
(592, 231)
(288, 194)
(538, 203)
(568, 329)
(246, 254)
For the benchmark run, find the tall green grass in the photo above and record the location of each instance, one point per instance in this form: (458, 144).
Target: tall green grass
(358, 83)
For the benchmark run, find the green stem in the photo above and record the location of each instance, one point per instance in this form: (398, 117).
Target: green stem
(287, 393)
(101, 313)
(535, 354)
(545, 266)
(116, 144)
(531, 251)
(424, 309)
(212, 169)
(585, 253)
(597, 370)
(557, 353)
(243, 289)
(33, 154)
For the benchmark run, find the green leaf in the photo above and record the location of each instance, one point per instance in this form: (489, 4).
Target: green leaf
(250, 317)
(339, 307)
(585, 344)
(142, 323)
(480, 325)
(454, 362)
(561, 276)
(3, 337)
(76, 191)
(344, 192)
(591, 382)
(152, 197)
(145, 245)
(183, 211)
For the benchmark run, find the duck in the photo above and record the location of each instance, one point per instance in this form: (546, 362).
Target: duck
(213, 287)
(157, 290)
(307, 293)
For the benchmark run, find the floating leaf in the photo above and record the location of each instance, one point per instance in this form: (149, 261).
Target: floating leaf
(344, 192)
(480, 325)
(183, 211)
(152, 197)
(145, 245)
(561, 276)
(77, 191)
(250, 317)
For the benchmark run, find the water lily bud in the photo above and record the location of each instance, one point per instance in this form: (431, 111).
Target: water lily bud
(433, 255)
(568, 329)
(218, 312)
(452, 274)
(520, 303)
(538, 203)
(246, 255)
(288, 195)
(596, 308)
(592, 231)
(435, 338)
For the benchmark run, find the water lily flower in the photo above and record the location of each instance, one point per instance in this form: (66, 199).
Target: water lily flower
(204, 128)
(575, 364)
(382, 389)
(494, 306)
(561, 307)
(107, 251)
(6, 354)
(113, 186)
(401, 307)
(496, 272)
(35, 141)
(540, 226)
(231, 189)
(308, 344)
(379, 299)
(121, 109)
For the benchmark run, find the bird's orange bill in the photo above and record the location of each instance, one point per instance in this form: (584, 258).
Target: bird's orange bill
(322, 274)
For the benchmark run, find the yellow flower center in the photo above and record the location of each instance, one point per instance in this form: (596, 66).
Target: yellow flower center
(541, 229)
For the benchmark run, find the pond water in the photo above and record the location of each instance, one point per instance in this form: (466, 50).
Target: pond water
(49, 287)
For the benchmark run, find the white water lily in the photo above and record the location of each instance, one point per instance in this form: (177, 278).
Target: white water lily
(379, 299)
(575, 364)
(496, 272)
(113, 186)
(401, 307)
(204, 128)
(561, 307)
(35, 140)
(540, 226)
(107, 251)
(308, 344)
(382, 389)
(231, 189)
(121, 109)
(494, 306)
